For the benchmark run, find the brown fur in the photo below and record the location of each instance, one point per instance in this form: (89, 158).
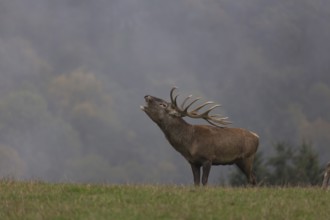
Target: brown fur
(204, 145)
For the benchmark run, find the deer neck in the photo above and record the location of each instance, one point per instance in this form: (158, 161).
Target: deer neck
(179, 133)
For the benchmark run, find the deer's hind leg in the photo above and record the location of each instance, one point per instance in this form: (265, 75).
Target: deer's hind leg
(245, 165)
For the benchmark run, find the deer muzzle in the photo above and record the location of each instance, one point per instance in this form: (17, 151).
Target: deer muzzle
(147, 98)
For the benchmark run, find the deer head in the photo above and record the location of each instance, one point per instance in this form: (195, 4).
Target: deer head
(158, 109)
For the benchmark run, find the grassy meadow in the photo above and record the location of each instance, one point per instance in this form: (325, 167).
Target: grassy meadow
(38, 200)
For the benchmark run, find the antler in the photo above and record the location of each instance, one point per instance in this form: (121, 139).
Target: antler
(215, 119)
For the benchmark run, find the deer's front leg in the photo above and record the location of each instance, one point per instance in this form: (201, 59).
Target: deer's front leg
(206, 171)
(196, 169)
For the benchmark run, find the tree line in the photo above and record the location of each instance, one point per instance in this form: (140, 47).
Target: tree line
(289, 166)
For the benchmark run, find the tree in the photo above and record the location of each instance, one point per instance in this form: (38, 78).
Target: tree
(307, 170)
(289, 166)
(281, 167)
(294, 166)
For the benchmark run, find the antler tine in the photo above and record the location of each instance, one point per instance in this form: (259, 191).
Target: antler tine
(205, 114)
(205, 104)
(215, 120)
(185, 100)
(190, 104)
(217, 124)
(218, 119)
(171, 93)
(173, 100)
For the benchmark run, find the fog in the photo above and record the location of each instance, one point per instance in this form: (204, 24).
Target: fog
(73, 74)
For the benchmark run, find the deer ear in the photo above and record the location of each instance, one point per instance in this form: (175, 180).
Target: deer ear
(173, 112)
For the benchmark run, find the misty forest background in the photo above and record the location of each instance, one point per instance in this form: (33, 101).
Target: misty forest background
(73, 74)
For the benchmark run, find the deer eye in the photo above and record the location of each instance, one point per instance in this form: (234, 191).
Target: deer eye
(163, 105)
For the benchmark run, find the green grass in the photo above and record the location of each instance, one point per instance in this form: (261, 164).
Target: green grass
(37, 200)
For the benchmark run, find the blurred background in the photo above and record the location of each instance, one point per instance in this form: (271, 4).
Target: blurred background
(73, 74)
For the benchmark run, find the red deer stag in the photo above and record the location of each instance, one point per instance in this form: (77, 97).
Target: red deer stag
(203, 145)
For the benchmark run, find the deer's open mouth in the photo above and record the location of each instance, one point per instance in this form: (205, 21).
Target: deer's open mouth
(144, 107)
